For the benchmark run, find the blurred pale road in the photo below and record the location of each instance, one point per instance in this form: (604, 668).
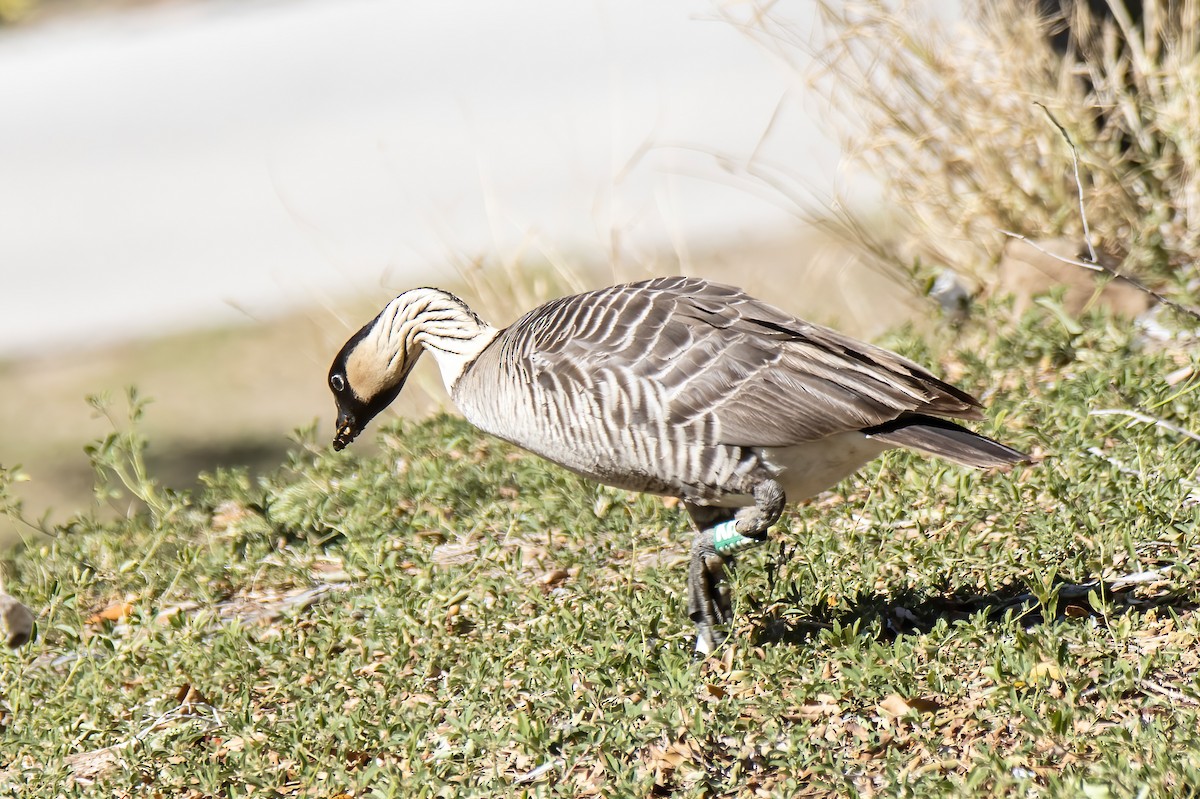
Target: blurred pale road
(191, 164)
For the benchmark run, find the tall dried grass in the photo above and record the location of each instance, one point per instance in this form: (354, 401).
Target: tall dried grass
(946, 115)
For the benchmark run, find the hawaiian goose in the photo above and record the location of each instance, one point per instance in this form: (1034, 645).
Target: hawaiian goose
(673, 386)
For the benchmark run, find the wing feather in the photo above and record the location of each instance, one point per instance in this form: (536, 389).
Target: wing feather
(753, 374)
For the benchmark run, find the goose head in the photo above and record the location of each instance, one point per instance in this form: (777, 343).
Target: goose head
(367, 374)
(371, 367)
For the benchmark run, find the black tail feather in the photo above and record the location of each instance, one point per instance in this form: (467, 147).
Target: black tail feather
(946, 440)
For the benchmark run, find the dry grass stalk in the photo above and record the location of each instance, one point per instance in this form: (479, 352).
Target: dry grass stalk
(947, 116)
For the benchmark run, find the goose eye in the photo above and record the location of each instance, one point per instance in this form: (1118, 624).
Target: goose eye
(338, 383)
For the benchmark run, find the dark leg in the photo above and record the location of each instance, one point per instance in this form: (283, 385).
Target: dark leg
(709, 602)
(721, 532)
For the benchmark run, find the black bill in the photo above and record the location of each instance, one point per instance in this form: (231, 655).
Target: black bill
(347, 430)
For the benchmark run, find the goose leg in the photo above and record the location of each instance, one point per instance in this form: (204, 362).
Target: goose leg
(709, 602)
(721, 533)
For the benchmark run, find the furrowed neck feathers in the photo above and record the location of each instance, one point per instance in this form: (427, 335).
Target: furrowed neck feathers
(428, 319)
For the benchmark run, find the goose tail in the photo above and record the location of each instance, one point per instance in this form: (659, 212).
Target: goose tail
(948, 440)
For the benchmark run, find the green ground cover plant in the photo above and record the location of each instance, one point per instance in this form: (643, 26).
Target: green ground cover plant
(449, 616)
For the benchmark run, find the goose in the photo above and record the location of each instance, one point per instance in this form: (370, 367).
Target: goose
(673, 386)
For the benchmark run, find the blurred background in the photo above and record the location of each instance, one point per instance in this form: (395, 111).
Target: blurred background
(178, 163)
(204, 198)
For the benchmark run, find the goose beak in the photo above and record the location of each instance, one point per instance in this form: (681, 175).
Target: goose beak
(347, 430)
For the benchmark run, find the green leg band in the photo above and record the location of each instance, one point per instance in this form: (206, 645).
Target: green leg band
(727, 539)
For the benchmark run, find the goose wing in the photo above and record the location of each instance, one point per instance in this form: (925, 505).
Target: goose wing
(682, 350)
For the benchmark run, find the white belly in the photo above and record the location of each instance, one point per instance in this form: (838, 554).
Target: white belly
(805, 470)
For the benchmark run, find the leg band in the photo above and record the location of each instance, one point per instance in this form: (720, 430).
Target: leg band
(726, 538)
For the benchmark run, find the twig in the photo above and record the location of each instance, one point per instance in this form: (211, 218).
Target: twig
(1094, 264)
(1120, 467)
(185, 711)
(540, 771)
(1169, 693)
(1082, 590)
(1087, 235)
(1108, 270)
(1140, 578)
(1147, 419)
(1088, 693)
(1094, 267)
